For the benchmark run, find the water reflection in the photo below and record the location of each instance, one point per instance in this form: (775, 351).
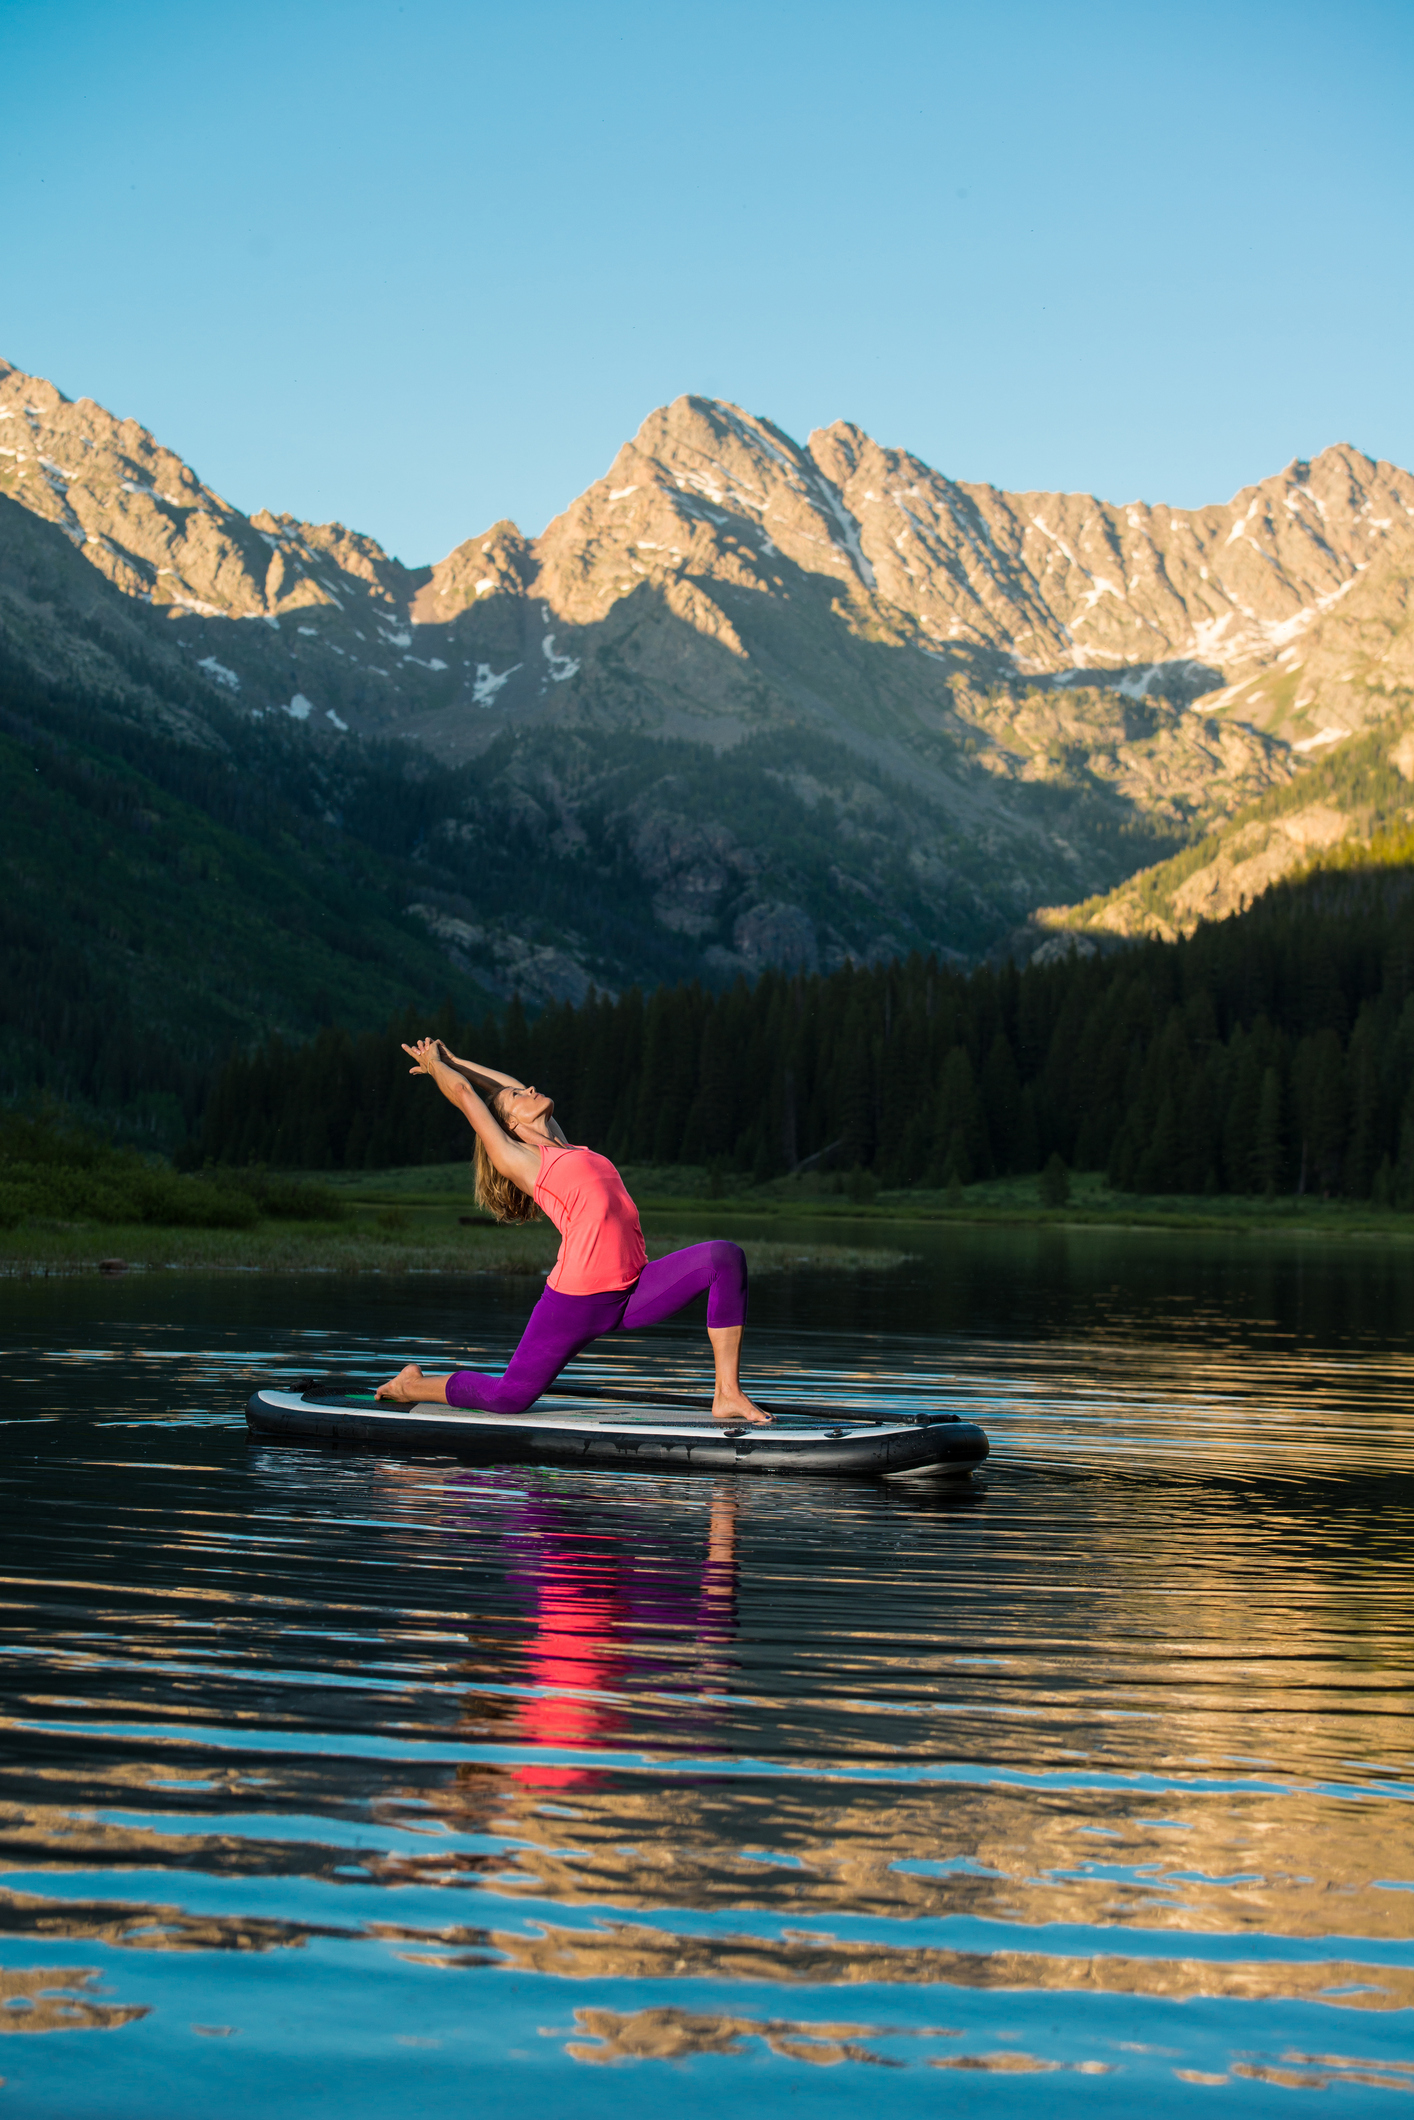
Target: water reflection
(57, 1999)
(609, 1618)
(319, 1770)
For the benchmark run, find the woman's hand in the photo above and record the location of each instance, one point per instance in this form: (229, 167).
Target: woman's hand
(427, 1055)
(510, 1156)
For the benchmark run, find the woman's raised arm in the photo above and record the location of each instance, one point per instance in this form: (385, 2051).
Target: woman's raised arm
(512, 1158)
(475, 1072)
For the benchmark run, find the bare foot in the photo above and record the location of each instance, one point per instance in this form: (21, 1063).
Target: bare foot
(736, 1406)
(406, 1388)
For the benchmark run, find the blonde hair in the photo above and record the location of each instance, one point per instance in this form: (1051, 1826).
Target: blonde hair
(498, 1194)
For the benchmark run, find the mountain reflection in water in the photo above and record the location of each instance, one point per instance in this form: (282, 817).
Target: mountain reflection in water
(415, 1786)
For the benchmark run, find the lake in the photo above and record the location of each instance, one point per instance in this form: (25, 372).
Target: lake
(390, 1787)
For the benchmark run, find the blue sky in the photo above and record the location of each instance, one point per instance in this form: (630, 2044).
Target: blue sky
(420, 266)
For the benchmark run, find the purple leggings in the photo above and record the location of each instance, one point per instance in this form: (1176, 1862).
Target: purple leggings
(559, 1326)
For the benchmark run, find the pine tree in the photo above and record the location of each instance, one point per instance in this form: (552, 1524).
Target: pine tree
(1327, 1110)
(669, 1073)
(1001, 1098)
(629, 1045)
(1267, 1158)
(719, 1075)
(1027, 1154)
(1122, 1167)
(1403, 1180)
(515, 1040)
(1199, 1131)
(960, 1130)
(854, 1089)
(1323, 998)
(599, 1072)
(1055, 1182)
(1240, 1131)
(1365, 1133)
(1158, 1166)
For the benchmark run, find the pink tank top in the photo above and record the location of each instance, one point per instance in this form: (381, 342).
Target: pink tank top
(601, 1242)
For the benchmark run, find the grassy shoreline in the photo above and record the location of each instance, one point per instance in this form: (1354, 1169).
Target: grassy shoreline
(406, 1237)
(1016, 1202)
(682, 1192)
(424, 1220)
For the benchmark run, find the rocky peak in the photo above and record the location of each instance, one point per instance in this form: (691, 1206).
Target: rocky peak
(497, 563)
(145, 520)
(716, 547)
(944, 702)
(706, 491)
(836, 450)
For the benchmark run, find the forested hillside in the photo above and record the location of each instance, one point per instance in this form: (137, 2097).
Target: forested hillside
(1265, 1053)
(1352, 796)
(162, 901)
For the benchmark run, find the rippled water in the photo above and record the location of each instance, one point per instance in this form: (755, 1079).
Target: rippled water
(398, 1787)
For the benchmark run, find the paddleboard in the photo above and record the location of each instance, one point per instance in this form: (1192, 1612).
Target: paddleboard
(606, 1426)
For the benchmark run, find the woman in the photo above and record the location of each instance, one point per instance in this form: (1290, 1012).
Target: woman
(602, 1280)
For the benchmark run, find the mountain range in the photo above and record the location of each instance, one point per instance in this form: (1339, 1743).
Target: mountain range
(746, 701)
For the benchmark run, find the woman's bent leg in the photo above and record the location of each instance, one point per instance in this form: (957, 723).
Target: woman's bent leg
(558, 1327)
(665, 1285)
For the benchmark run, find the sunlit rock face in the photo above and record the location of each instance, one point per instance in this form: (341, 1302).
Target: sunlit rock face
(976, 701)
(663, 591)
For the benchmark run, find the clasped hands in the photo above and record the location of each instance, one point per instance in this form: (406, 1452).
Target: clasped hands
(427, 1053)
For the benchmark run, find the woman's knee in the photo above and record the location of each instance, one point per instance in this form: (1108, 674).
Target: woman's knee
(475, 1393)
(726, 1298)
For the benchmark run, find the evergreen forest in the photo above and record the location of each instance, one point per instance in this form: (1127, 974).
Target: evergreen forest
(1268, 1053)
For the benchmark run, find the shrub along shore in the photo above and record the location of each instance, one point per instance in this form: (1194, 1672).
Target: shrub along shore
(71, 1203)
